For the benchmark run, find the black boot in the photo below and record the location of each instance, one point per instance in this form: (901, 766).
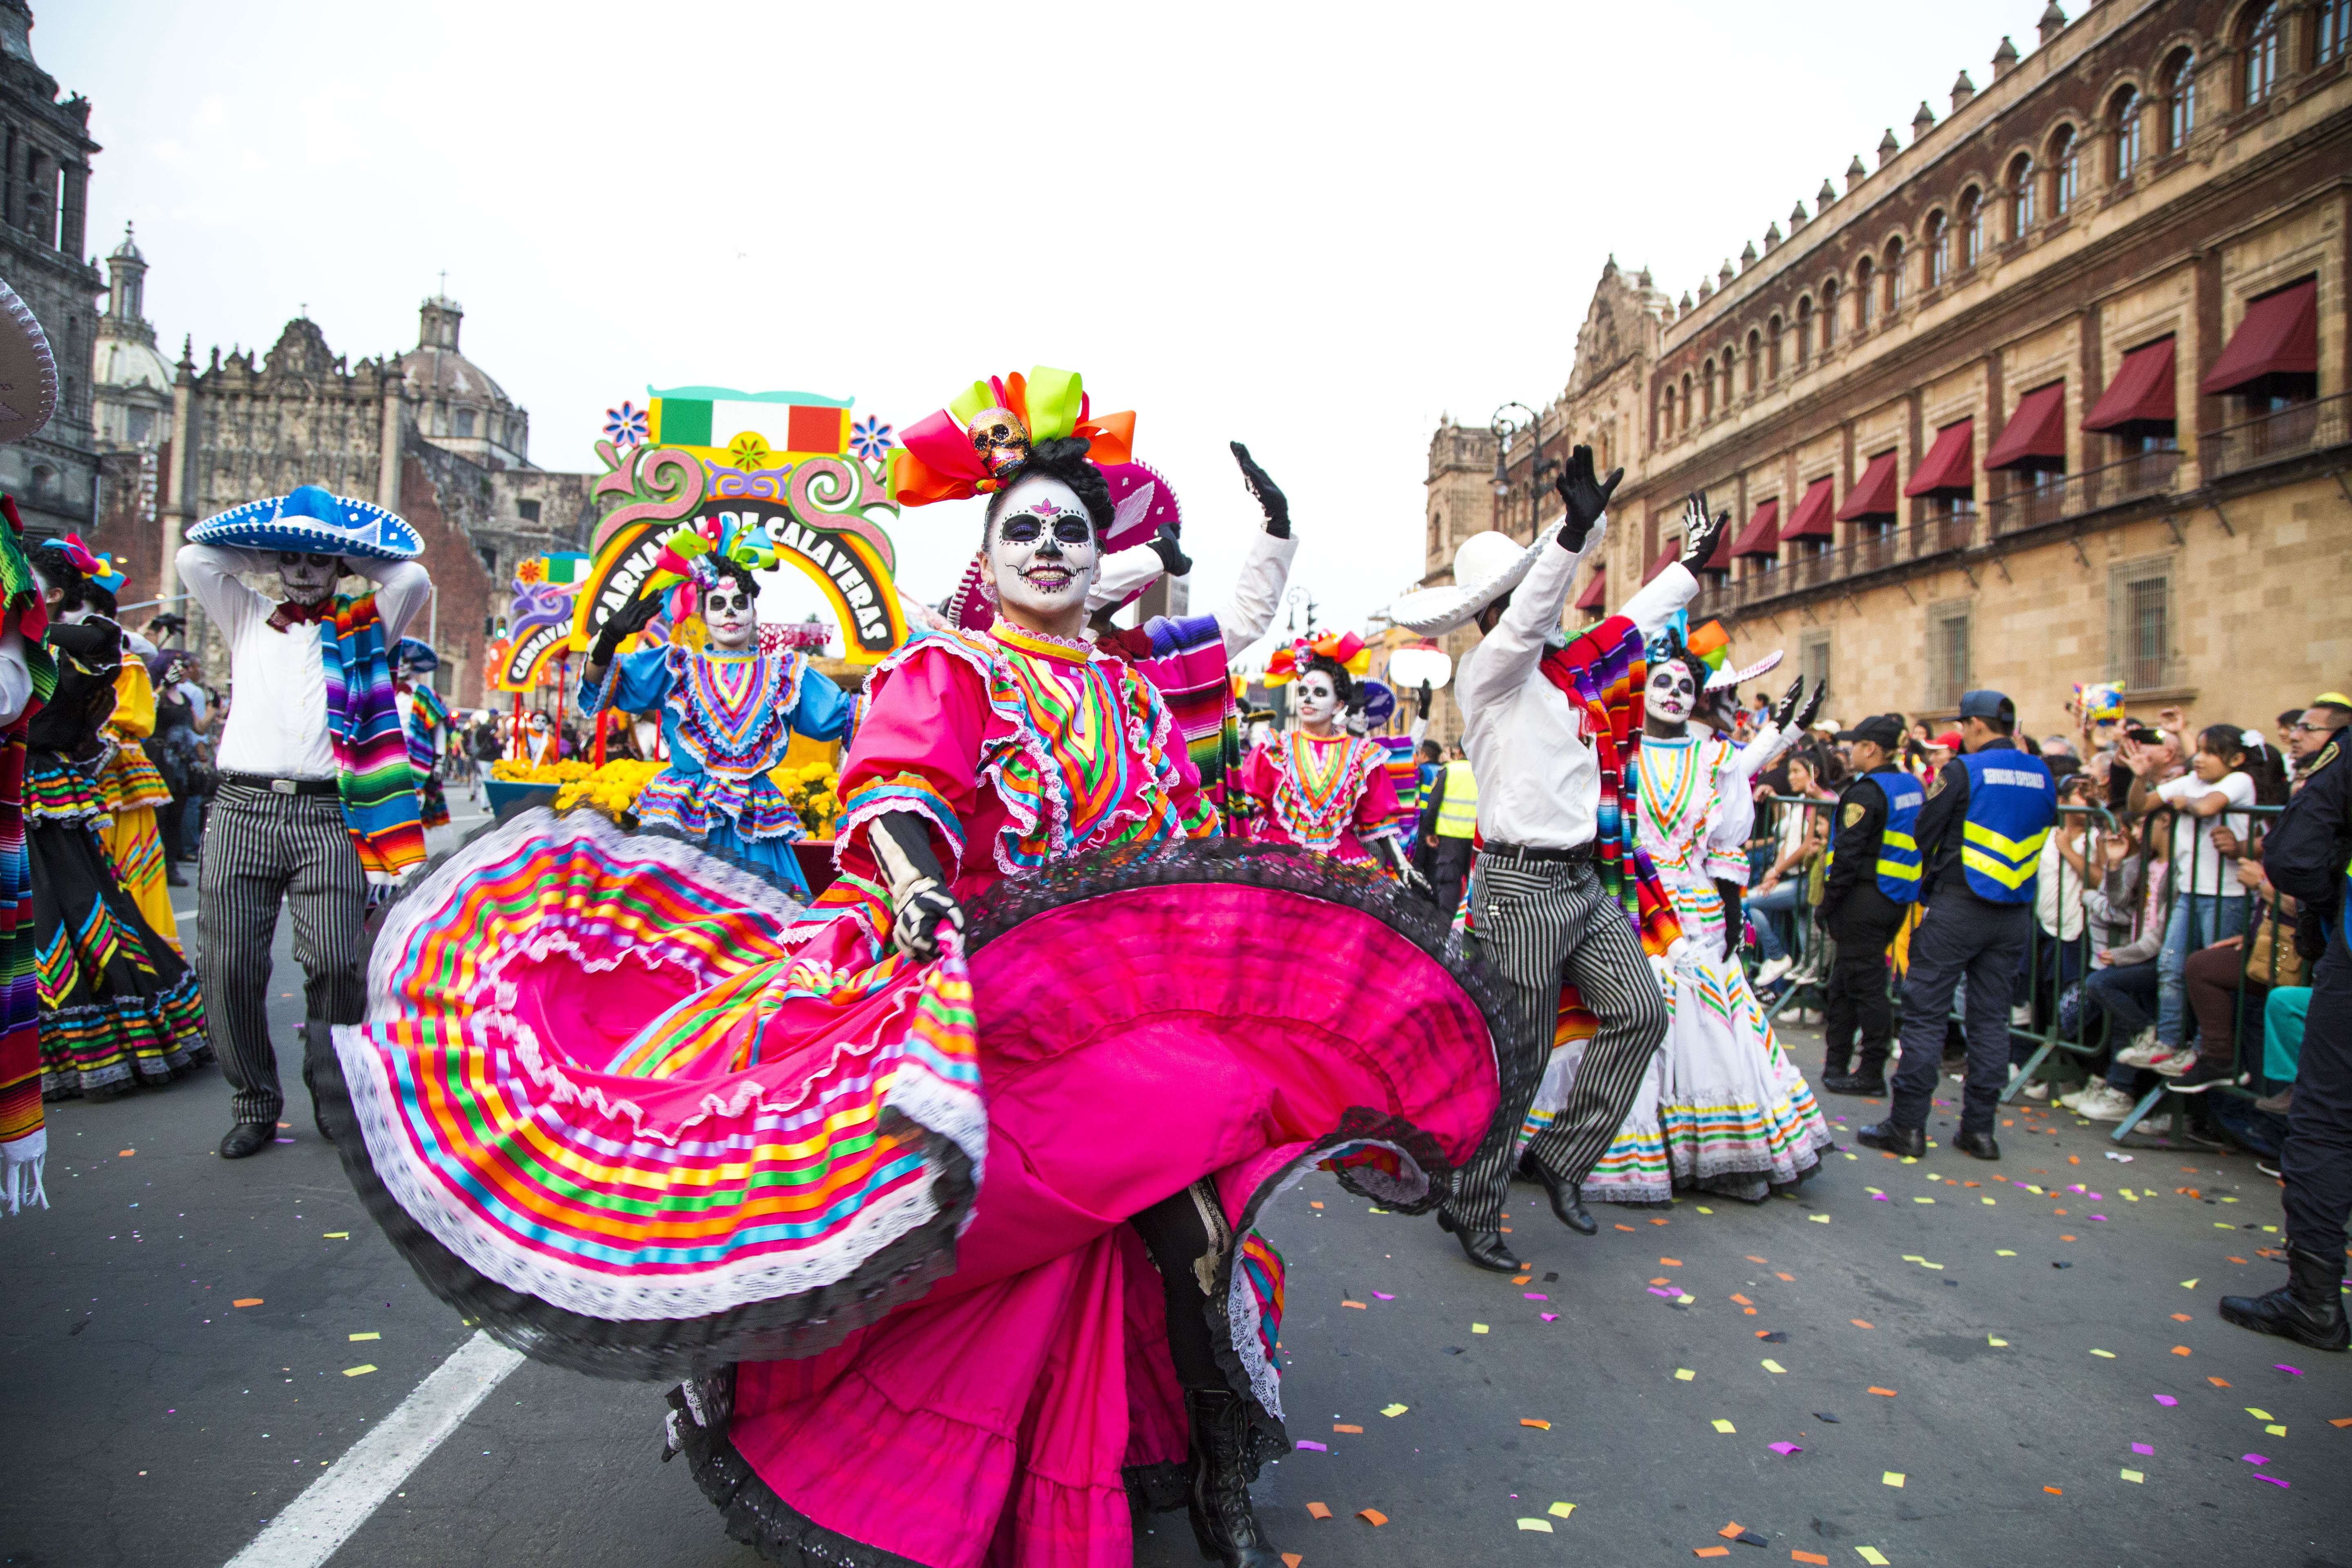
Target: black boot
(1911, 1141)
(1222, 1520)
(1567, 1202)
(1483, 1247)
(2308, 1309)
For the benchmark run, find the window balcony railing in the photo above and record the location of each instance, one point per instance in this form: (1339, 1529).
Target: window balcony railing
(2141, 474)
(1896, 547)
(2276, 437)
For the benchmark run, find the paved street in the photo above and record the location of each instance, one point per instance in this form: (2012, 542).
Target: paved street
(2014, 1377)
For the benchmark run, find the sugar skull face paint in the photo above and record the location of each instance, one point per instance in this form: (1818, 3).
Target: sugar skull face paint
(1043, 553)
(729, 613)
(1671, 692)
(306, 575)
(1316, 699)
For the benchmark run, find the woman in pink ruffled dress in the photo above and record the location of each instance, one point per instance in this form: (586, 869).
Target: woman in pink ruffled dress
(936, 1194)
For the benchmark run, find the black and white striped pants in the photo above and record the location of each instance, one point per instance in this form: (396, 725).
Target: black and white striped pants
(1538, 923)
(262, 849)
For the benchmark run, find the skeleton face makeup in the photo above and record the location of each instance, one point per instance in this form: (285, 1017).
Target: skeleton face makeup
(727, 613)
(1317, 698)
(1042, 555)
(307, 577)
(1671, 692)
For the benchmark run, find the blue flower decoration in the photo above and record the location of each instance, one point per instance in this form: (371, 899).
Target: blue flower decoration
(625, 425)
(870, 438)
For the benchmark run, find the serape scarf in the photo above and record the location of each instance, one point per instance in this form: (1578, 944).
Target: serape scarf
(24, 1137)
(377, 785)
(1603, 674)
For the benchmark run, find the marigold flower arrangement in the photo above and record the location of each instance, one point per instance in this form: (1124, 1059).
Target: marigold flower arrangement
(809, 790)
(514, 770)
(612, 789)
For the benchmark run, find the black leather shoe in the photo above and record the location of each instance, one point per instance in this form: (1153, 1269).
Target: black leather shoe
(1567, 1202)
(1977, 1145)
(2308, 1309)
(247, 1138)
(1854, 1083)
(1911, 1141)
(1483, 1248)
(1224, 1526)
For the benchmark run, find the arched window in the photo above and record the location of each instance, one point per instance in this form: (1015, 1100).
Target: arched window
(1665, 426)
(2331, 21)
(1893, 275)
(2062, 171)
(2262, 56)
(2022, 211)
(1772, 348)
(1730, 381)
(2123, 124)
(1708, 382)
(1686, 401)
(1971, 226)
(1939, 257)
(1862, 277)
(2179, 100)
(1829, 313)
(1755, 356)
(1805, 325)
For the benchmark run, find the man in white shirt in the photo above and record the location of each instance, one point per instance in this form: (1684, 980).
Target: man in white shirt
(277, 831)
(1540, 915)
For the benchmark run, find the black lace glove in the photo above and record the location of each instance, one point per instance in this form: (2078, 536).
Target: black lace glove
(1786, 707)
(1420, 701)
(1701, 532)
(1171, 554)
(919, 901)
(1270, 497)
(635, 616)
(1810, 711)
(1586, 496)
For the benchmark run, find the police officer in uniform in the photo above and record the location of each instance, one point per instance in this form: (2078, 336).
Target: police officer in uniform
(1873, 881)
(1979, 835)
(2308, 856)
(1449, 818)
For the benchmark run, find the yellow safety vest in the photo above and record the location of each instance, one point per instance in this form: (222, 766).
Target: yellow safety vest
(1457, 813)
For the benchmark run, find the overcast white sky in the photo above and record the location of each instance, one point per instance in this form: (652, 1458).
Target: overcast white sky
(1314, 229)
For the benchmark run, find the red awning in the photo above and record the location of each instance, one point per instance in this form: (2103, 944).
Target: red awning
(1593, 597)
(1951, 465)
(2141, 393)
(1872, 496)
(2280, 336)
(2035, 436)
(1666, 557)
(1762, 535)
(1813, 520)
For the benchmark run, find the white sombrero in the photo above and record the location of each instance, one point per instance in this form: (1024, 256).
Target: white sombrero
(1486, 566)
(28, 372)
(316, 521)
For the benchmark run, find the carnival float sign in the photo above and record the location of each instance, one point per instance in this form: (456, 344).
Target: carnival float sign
(799, 467)
(539, 622)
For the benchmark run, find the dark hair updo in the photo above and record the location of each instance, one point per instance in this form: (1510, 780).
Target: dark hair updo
(49, 557)
(1065, 460)
(1341, 681)
(727, 566)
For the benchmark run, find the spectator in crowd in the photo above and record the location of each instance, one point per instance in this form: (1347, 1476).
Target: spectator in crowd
(2056, 746)
(1776, 897)
(2054, 959)
(2122, 989)
(2232, 770)
(2213, 976)
(486, 749)
(1942, 750)
(2331, 712)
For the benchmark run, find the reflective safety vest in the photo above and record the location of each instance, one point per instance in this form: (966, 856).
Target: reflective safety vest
(1457, 813)
(2011, 804)
(1898, 852)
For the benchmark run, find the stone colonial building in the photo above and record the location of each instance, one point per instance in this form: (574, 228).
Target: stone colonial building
(2054, 394)
(425, 433)
(45, 152)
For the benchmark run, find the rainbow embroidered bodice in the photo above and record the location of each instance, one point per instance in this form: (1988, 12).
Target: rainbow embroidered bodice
(733, 713)
(1318, 784)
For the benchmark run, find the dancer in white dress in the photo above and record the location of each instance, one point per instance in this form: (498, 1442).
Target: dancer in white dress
(1722, 1108)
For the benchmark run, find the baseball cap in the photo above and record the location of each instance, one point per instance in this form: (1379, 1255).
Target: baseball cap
(1883, 730)
(1951, 741)
(1987, 704)
(2331, 700)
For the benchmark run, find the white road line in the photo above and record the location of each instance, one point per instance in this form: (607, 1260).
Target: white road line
(311, 1528)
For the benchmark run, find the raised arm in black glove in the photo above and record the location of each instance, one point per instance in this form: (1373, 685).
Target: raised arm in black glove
(1808, 713)
(1701, 532)
(1586, 496)
(634, 617)
(919, 901)
(1786, 709)
(1278, 509)
(1171, 554)
(1420, 701)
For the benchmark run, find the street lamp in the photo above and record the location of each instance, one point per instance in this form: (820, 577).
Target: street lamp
(1508, 429)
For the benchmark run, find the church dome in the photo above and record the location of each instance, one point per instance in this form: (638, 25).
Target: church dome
(460, 408)
(126, 363)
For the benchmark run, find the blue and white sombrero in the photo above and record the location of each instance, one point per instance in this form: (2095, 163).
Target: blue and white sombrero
(418, 653)
(310, 519)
